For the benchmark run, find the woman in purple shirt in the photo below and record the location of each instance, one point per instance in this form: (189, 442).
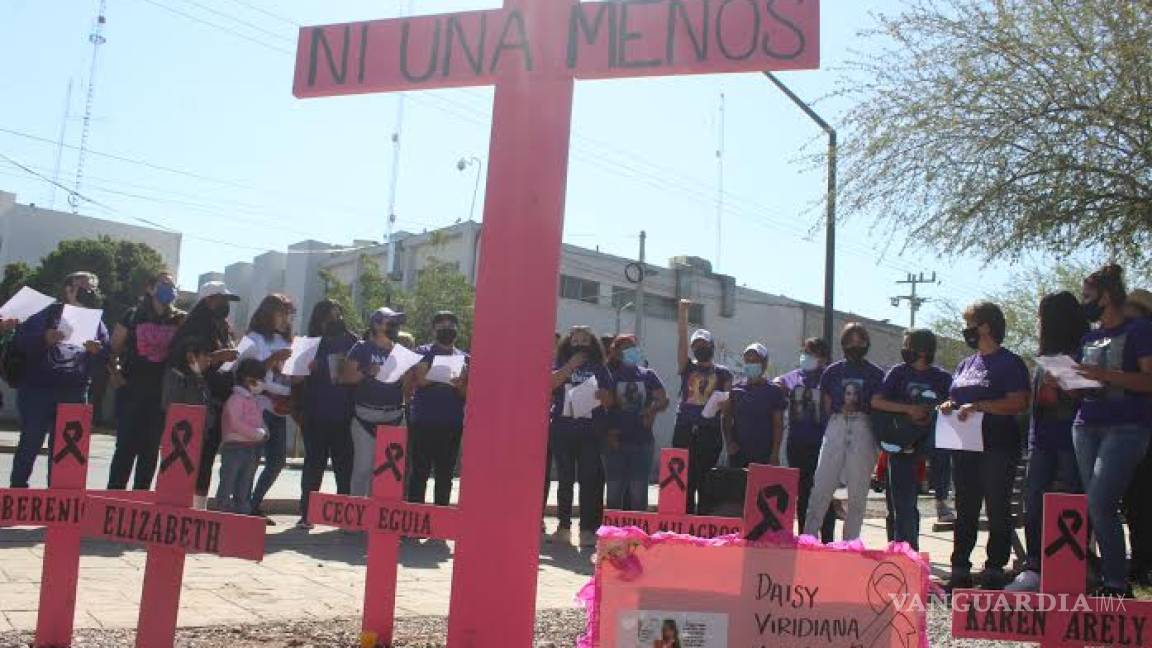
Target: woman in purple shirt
(628, 448)
(994, 382)
(1112, 427)
(1051, 459)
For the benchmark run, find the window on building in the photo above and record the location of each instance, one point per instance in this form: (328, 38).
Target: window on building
(580, 289)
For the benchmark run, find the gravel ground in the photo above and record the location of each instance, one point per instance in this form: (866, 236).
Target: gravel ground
(554, 629)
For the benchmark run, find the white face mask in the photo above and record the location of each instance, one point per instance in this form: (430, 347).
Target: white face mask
(257, 387)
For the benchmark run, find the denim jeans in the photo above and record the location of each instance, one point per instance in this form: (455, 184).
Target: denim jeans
(1108, 456)
(983, 479)
(324, 440)
(940, 473)
(902, 492)
(850, 449)
(577, 456)
(627, 468)
(237, 468)
(1049, 471)
(275, 455)
(704, 445)
(803, 456)
(37, 409)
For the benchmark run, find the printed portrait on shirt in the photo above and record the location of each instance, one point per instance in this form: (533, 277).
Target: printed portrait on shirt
(700, 387)
(631, 396)
(1107, 353)
(853, 390)
(803, 404)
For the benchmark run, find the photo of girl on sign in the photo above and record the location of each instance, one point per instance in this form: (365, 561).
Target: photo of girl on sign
(668, 629)
(669, 635)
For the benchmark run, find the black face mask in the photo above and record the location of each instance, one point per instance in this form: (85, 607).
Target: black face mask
(88, 298)
(909, 356)
(335, 328)
(392, 331)
(221, 311)
(446, 336)
(855, 353)
(1092, 310)
(704, 353)
(972, 336)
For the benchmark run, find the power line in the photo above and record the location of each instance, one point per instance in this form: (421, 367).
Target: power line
(247, 24)
(197, 19)
(270, 14)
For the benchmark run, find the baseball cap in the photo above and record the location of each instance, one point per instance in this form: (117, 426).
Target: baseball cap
(382, 315)
(1141, 298)
(213, 288)
(701, 334)
(760, 350)
(445, 316)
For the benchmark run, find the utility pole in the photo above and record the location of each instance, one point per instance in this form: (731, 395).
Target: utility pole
(720, 186)
(638, 303)
(830, 225)
(914, 301)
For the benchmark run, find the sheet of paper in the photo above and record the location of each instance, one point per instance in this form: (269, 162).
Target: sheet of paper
(954, 434)
(446, 368)
(580, 401)
(399, 361)
(24, 304)
(79, 325)
(1063, 369)
(246, 343)
(303, 353)
(712, 407)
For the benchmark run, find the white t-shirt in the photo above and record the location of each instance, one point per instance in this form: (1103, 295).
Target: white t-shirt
(261, 349)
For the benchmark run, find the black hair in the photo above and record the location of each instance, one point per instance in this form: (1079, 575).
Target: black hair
(263, 320)
(564, 350)
(181, 347)
(817, 347)
(985, 312)
(250, 369)
(1062, 323)
(1110, 280)
(922, 341)
(320, 314)
(857, 329)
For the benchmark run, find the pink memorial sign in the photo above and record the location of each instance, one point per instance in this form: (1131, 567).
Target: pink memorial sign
(783, 592)
(386, 517)
(769, 502)
(170, 529)
(1059, 615)
(532, 51)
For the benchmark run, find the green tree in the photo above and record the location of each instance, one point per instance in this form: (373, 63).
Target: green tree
(440, 287)
(123, 267)
(376, 290)
(995, 127)
(341, 293)
(16, 276)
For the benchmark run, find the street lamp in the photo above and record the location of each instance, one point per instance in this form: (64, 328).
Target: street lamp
(620, 311)
(464, 163)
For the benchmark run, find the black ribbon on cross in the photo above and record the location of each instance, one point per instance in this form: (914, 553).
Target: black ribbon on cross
(1070, 522)
(181, 436)
(393, 454)
(72, 434)
(771, 501)
(676, 467)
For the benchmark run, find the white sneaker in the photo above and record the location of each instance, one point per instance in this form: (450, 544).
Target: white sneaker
(944, 513)
(1026, 581)
(200, 502)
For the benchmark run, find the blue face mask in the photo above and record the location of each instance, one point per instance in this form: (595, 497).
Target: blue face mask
(808, 363)
(632, 356)
(165, 294)
(753, 371)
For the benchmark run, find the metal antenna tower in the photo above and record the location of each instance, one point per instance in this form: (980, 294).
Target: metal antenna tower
(96, 37)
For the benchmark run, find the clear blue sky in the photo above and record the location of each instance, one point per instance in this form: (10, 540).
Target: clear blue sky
(262, 169)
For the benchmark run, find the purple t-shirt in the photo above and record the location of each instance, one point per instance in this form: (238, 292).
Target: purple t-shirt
(804, 421)
(325, 399)
(850, 385)
(904, 384)
(696, 386)
(1120, 348)
(438, 403)
(992, 377)
(372, 392)
(1053, 411)
(578, 377)
(753, 406)
(635, 387)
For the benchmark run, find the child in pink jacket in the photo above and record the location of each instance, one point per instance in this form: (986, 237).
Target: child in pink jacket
(242, 438)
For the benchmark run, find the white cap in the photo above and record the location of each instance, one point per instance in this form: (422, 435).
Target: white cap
(760, 350)
(213, 288)
(701, 334)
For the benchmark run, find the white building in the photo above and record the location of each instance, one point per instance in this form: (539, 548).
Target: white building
(593, 290)
(28, 233)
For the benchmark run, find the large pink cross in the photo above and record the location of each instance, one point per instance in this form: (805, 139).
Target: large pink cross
(169, 528)
(769, 503)
(386, 517)
(61, 510)
(532, 51)
(1059, 615)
